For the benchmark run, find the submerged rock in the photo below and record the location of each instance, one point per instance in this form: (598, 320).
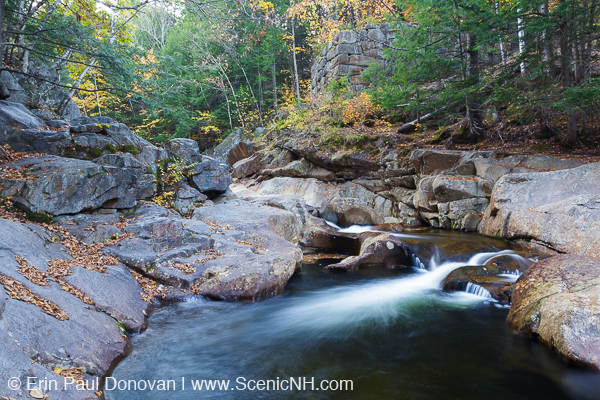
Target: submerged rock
(558, 301)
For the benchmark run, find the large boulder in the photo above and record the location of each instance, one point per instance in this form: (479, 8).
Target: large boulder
(57, 186)
(559, 209)
(209, 176)
(302, 169)
(232, 251)
(233, 149)
(14, 118)
(494, 169)
(434, 162)
(376, 250)
(318, 194)
(106, 135)
(350, 211)
(185, 149)
(558, 301)
(36, 336)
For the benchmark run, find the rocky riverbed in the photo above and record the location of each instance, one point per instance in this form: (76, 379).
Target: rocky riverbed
(98, 224)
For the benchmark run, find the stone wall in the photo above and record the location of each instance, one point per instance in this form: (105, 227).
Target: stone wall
(349, 54)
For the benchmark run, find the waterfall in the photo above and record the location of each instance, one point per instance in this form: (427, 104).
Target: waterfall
(477, 290)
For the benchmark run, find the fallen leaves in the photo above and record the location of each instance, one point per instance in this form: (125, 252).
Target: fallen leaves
(41, 278)
(15, 174)
(186, 268)
(213, 254)
(149, 287)
(257, 247)
(16, 290)
(11, 156)
(30, 272)
(216, 226)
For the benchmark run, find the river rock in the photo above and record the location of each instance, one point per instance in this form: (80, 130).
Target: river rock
(434, 162)
(318, 194)
(349, 211)
(67, 186)
(102, 132)
(559, 209)
(302, 169)
(185, 149)
(89, 338)
(376, 249)
(558, 301)
(233, 149)
(209, 176)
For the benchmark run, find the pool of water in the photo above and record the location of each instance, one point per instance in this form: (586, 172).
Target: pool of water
(391, 331)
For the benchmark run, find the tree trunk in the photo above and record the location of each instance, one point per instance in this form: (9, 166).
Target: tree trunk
(520, 27)
(295, 62)
(274, 73)
(548, 56)
(474, 115)
(63, 105)
(502, 45)
(567, 82)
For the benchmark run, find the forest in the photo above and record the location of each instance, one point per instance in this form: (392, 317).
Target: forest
(201, 69)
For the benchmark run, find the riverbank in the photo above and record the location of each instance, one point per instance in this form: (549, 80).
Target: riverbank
(98, 224)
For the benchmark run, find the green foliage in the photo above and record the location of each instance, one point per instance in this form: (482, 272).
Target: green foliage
(40, 217)
(129, 148)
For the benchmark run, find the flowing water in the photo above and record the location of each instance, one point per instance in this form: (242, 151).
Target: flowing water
(392, 331)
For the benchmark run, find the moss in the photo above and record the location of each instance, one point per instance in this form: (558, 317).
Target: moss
(40, 217)
(129, 148)
(110, 148)
(94, 153)
(540, 147)
(69, 152)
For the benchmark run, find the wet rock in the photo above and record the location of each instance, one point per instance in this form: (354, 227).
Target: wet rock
(379, 249)
(350, 211)
(560, 209)
(558, 301)
(67, 186)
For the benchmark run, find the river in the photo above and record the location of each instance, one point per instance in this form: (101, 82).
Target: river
(391, 331)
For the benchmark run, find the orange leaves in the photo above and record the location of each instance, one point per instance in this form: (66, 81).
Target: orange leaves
(257, 247)
(16, 290)
(186, 268)
(213, 254)
(149, 287)
(32, 273)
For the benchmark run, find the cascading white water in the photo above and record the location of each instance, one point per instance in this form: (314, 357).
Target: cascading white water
(379, 300)
(477, 290)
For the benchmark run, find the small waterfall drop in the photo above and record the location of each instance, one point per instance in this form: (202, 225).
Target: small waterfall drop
(477, 290)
